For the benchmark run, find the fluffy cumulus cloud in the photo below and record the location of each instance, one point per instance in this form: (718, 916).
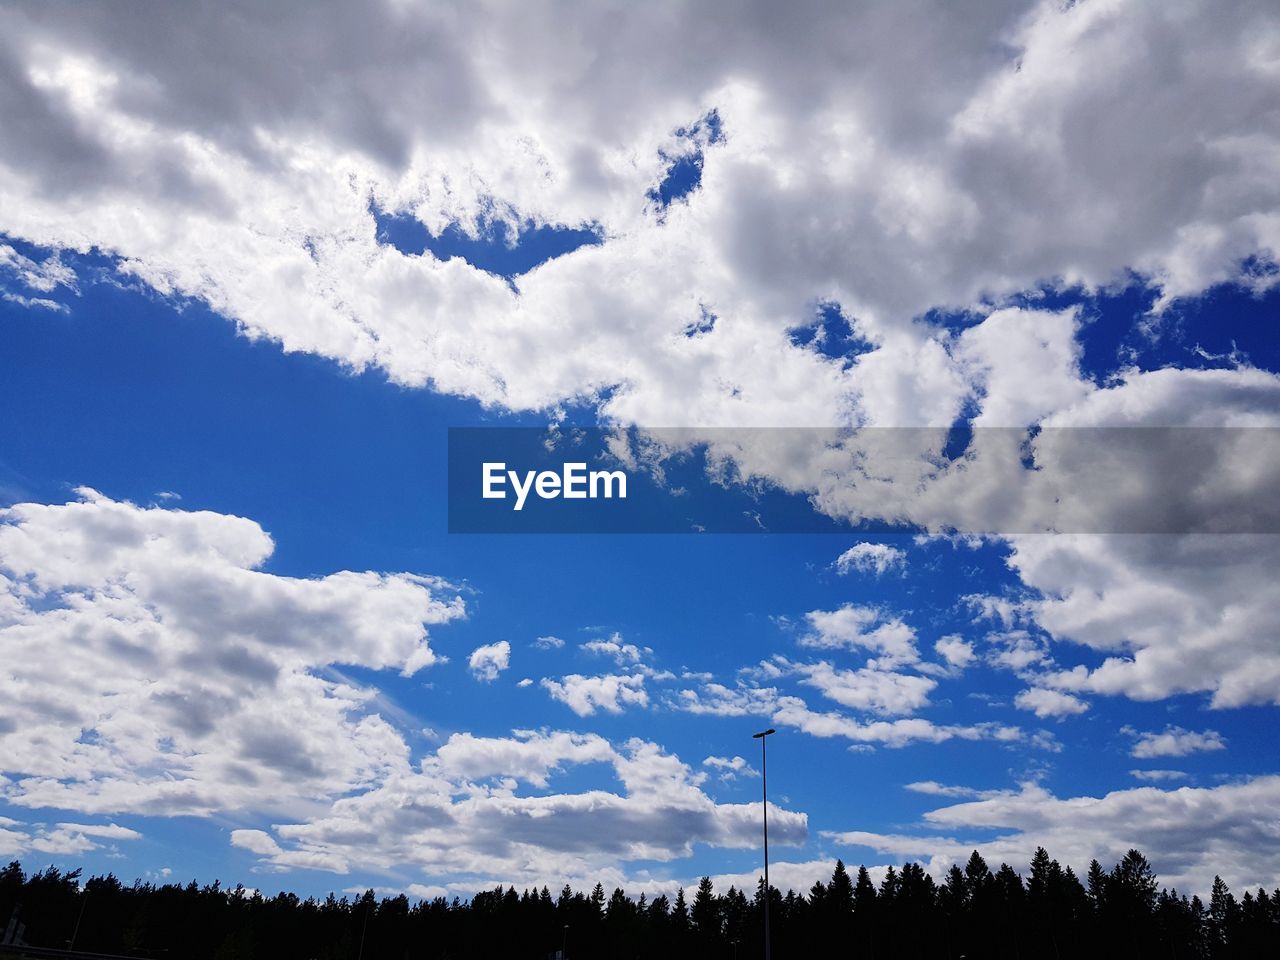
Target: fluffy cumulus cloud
(1049, 703)
(730, 768)
(868, 628)
(151, 666)
(1174, 742)
(612, 693)
(877, 558)
(1016, 143)
(875, 691)
(794, 712)
(489, 660)
(59, 839)
(467, 813)
(1189, 833)
(955, 651)
(787, 710)
(615, 648)
(1169, 615)
(1024, 145)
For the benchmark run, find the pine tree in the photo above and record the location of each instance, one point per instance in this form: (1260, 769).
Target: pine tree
(735, 912)
(840, 892)
(619, 907)
(209, 923)
(680, 912)
(818, 897)
(1223, 912)
(954, 895)
(976, 874)
(953, 902)
(888, 886)
(706, 912)
(1134, 879)
(865, 919)
(1096, 882)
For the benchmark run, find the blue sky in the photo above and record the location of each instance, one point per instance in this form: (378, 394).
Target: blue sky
(137, 396)
(229, 336)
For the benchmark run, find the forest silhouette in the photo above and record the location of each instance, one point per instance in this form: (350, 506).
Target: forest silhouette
(974, 912)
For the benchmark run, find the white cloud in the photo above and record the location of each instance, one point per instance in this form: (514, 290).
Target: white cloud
(1188, 833)
(853, 627)
(875, 691)
(610, 692)
(531, 756)
(766, 703)
(715, 699)
(255, 841)
(38, 277)
(446, 821)
(1049, 703)
(956, 651)
(60, 839)
(622, 653)
(794, 712)
(489, 660)
(1007, 611)
(1025, 363)
(877, 558)
(548, 643)
(152, 668)
(1156, 776)
(1017, 650)
(1185, 614)
(1027, 142)
(1021, 145)
(730, 768)
(934, 789)
(1175, 742)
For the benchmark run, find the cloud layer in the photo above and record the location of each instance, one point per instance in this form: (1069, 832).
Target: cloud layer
(889, 161)
(153, 667)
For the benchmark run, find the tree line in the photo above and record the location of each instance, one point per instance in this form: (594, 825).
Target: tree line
(972, 913)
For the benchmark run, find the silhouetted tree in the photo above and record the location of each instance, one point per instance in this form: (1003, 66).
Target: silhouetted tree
(1121, 913)
(705, 915)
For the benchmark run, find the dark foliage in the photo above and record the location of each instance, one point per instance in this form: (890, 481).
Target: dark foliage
(972, 913)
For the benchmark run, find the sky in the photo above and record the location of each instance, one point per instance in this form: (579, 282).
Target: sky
(255, 265)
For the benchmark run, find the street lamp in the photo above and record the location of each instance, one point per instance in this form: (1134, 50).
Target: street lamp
(75, 934)
(764, 792)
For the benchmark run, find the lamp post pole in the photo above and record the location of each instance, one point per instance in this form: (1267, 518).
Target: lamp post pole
(75, 934)
(764, 792)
